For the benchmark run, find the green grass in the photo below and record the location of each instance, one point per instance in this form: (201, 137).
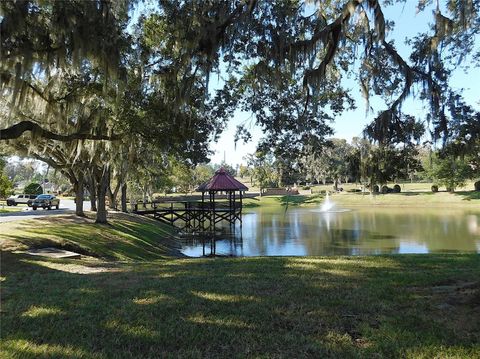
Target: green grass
(8, 209)
(134, 299)
(126, 238)
(284, 201)
(408, 306)
(406, 187)
(463, 199)
(459, 199)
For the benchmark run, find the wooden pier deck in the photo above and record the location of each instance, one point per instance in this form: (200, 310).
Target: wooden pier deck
(221, 201)
(191, 216)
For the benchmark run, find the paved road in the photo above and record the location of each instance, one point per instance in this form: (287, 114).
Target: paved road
(66, 206)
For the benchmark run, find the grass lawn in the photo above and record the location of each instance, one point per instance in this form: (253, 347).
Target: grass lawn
(465, 199)
(409, 306)
(406, 187)
(8, 209)
(131, 296)
(126, 238)
(459, 199)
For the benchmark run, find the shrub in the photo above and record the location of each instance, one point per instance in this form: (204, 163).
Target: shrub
(450, 172)
(434, 188)
(6, 186)
(385, 189)
(477, 186)
(33, 188)
(397, 188)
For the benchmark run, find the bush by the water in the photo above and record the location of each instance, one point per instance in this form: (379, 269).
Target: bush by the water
(33, 188)
(397, 189)
(477, 186)
(434, 188)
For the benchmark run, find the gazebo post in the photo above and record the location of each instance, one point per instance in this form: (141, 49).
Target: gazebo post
(230, 207)
(210, 210)
(213, 211)
(201, 213)
(241, 206)
(233, 207)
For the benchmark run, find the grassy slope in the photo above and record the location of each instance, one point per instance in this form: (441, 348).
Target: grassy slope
(394, 306)
(462, 199)
(406, 187)
(125, 238)
(389, 306)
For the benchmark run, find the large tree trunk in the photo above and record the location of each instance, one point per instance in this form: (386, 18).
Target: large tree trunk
(112, 196)
(124, 198)
(78, 187)
(93, 200)
(93, 192)
(102, 184)
(111, 199)
(79, 197)
(335, 185)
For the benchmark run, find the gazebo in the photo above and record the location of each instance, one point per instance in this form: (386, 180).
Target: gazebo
(224, 203)
(222, 181)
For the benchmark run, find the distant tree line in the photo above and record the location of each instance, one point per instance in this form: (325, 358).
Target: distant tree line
(368, 164)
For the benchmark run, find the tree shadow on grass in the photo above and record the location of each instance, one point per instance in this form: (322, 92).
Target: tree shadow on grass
(257, 307)
(468, 195)
(119, 240)
(298, 200)
(251, 204)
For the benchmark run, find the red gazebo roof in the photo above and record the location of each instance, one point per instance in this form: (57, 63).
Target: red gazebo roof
(222, 181)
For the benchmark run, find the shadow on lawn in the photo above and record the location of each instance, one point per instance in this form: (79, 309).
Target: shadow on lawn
(268, 307)
(299, 200)
(118, 240)
(468, 195)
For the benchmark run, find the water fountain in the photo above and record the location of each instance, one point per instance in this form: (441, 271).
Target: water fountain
(327, 204)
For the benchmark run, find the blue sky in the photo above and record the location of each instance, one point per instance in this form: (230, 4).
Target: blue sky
(351, 123)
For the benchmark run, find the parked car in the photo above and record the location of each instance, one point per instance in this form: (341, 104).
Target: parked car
(46, 201)
(21, 199)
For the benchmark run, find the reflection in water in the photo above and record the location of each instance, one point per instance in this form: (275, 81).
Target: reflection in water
(473, 226)
(327, 204)
(412, 247)
(299, 232)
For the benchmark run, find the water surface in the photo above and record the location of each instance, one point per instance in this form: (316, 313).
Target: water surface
(361, 231)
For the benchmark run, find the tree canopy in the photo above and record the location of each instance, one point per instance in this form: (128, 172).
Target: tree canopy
(89, 86)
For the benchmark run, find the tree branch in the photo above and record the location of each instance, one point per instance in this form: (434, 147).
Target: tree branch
(18, 129)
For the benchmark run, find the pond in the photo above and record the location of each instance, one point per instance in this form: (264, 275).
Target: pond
(273, 231)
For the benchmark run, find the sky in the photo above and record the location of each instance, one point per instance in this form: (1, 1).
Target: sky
(408, 22)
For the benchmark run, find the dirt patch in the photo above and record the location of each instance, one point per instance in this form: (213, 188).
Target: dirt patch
(456, 304)
(51, 252)
(467, 293)
(86, 267)
(63, 219)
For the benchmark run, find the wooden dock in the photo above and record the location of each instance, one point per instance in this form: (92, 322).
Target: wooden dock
(220, 201)
(191, 216)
